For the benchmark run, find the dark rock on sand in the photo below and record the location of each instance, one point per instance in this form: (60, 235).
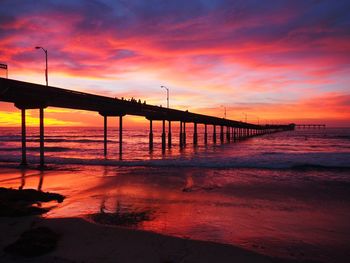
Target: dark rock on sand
(20, 209)
(125, 218)
(34, 242)
(28, 195)
(20, 202)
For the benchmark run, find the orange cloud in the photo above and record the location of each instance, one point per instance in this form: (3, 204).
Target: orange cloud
(273, 58)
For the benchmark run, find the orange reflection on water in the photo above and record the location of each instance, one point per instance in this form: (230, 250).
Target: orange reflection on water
(228, 206)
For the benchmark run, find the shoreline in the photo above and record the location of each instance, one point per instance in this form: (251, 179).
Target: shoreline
(104, 188)
(82, 241)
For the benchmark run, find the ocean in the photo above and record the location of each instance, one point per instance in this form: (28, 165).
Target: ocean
(285, 194)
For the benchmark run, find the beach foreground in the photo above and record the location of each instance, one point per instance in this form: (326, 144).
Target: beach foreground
(82, 241)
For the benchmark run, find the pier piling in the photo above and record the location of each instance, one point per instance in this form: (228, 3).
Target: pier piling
(150, 135)
(184, 133)
(169, 135)
(181, 135)
(195, 135)
(24, 138)
(41, 116)
(228, 133)
(163, 136)
(214, 133)
(221, 133)
(105, 135)
(120, 136)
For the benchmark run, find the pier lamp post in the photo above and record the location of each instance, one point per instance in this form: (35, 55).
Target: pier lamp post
(46, 70)
(41, 114)
(167, 95)
(245, 116)
(167, 100)
(224, 111)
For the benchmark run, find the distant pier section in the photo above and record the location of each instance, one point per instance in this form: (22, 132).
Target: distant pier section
(26, 95)
(310, 126)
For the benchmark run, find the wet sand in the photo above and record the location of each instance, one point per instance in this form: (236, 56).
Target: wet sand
(82, 241)
(249, 210)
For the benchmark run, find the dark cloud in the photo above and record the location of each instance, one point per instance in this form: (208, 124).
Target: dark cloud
(269, 30)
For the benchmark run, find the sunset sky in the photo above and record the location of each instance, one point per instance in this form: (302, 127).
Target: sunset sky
(279, 61)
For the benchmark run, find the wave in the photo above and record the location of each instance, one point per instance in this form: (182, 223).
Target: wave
(306, 167)
(57, 140)
(191, 163)
(47, 149)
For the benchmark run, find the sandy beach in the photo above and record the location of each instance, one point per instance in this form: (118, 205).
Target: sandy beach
(82, 241)
(175, 231)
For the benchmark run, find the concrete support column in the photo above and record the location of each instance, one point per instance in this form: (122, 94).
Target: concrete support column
(24, 138)
(181, 135)
(228, 133)
(163, 136)
(205, 134)
(195, 135)
(184, 133)
(234, 134)
(120, 136)
(105, 135)
(169, 135)
(214, 134)
(41, 116)
(221, 133)
(150, 135)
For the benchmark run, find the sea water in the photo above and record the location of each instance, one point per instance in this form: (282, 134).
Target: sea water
(284, 194)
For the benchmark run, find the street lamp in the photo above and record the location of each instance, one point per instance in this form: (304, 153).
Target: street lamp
(245, 114)
(167, 94)
(224, 111)
(46, 70)
(41, 114)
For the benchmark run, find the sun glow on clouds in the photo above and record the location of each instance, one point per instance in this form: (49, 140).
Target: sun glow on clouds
(14, 118)
(281, 61)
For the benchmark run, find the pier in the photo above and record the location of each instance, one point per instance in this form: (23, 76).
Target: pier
(310, 126)
(26, 95)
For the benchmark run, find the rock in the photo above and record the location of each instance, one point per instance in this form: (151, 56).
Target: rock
(28, 195)
(20, 202)
(34, 242)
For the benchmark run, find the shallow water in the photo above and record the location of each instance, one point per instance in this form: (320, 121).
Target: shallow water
(284, 194)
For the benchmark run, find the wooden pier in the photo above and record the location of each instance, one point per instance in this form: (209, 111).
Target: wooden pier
(310, 126)
(26, 95)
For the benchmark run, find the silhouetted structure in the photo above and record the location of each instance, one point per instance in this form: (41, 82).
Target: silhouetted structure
(310, 126)
(34, 96)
